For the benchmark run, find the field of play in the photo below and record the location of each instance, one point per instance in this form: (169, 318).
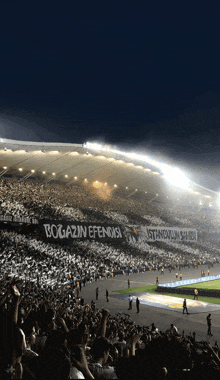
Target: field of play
(203, 285)
(208, 285)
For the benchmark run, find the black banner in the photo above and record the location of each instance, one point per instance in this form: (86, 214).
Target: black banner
(17, 219)
(68, 231)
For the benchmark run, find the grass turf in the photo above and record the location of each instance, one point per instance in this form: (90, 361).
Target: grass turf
(152, 289)
(207, 285)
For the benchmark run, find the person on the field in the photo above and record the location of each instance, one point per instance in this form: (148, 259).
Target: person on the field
(209, 324)
(196, 294)
(130, 302)
(185, 306)
(97, 293)
(138, 305)
(106, 294)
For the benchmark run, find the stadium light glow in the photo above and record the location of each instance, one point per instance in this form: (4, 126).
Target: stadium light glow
(172, 174)
(32, 171)
(4, 167)
(115, 185)
(175, 176)
(53, 173)
(75, 178)
(20, 169)
(66, 176)
(44, 172)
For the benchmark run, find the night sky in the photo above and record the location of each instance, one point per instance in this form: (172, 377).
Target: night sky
(142, 78)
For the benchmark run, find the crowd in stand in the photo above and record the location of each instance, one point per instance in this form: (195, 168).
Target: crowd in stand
(57, 200)
(31, 258)
(46, 331)
(40, 261)
(49, 335)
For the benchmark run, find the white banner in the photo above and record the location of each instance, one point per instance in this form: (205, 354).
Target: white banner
(152, 233)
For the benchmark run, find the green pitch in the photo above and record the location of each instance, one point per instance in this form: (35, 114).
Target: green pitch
(152, 289)
(208, 285)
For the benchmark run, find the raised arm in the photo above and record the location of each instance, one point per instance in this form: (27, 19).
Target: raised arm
(101, 330)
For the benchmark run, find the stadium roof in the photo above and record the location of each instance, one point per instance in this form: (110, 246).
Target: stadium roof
(96, 165)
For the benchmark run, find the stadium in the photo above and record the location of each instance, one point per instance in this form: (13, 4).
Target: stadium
(85, 225)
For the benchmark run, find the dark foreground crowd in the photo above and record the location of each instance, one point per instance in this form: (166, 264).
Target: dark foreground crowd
(48, 334)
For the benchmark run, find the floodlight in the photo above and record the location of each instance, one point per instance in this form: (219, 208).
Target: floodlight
(175, 176)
